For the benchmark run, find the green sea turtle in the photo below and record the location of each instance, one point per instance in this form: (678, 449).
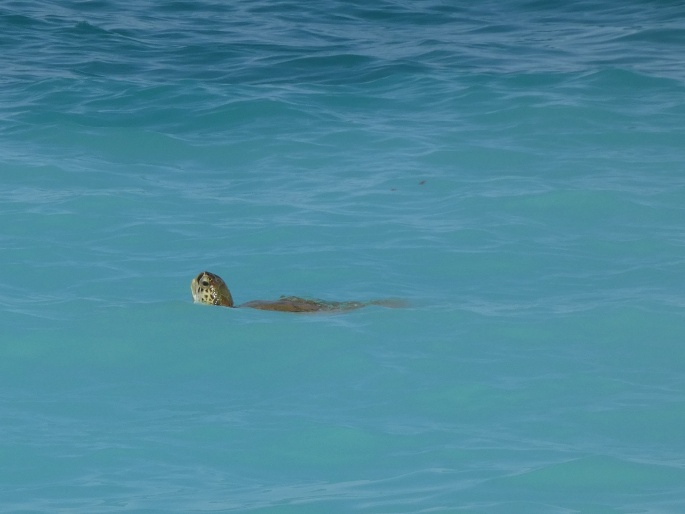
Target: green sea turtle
(210, 289)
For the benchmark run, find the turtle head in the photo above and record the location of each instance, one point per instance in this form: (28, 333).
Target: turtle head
(210, 289)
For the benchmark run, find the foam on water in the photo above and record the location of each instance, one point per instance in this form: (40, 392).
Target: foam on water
(513, 171)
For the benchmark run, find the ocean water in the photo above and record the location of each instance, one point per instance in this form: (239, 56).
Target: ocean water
(514, 171)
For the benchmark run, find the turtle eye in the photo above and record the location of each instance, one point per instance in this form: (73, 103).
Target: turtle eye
(205, 283)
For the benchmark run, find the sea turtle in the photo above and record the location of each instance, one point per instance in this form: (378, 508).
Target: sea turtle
(210, 289)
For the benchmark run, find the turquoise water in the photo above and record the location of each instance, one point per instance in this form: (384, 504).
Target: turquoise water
(513, 170)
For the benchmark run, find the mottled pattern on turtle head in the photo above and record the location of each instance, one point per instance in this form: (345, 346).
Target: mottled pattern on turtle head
(210, 289)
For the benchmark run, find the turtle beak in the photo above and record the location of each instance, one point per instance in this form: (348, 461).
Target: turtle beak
(193, 290)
